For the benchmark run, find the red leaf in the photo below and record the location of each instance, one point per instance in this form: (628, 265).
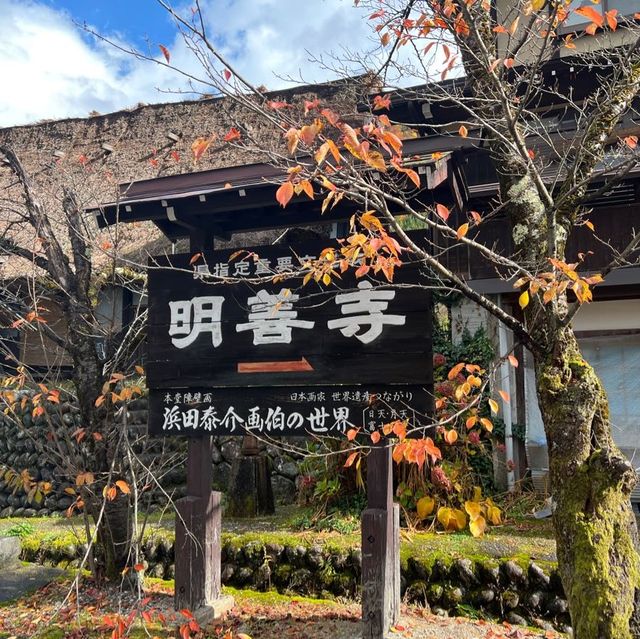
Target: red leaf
(351, 433)
(284, 194)
(350, 459)
(443, 212)
(227, 74)
(195, 258)
(165, 53)
(233, 134)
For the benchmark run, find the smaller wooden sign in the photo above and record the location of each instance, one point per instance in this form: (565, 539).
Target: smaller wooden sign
(293, 411)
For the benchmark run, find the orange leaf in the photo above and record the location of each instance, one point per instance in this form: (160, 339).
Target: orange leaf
(504, 395)
(284, 194)
(591, 14)
(451, 436)
(487, 423)
(513, 360)
(199, 147)
(232, 135)
(351, 433)
(462, 231)
(195, 258)
(631, 141)
(508, 62)
(463, 131)
(453, 373)
(139, 567)
(471, 422)
(123, 486)
(375, 436)
(351, 459)
(442, 211)
(165, 53)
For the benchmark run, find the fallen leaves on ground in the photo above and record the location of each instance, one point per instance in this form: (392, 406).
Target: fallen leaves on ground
(85, 613)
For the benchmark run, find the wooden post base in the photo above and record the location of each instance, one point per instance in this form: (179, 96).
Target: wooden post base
(380, 549)
(197, 551)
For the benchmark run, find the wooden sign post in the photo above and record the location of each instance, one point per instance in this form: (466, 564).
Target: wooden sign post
(233, 350)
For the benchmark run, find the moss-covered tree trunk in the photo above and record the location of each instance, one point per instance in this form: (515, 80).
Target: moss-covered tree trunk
(591, 484)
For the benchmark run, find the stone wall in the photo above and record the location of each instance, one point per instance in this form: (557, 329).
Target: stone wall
(518, 591)
(27, 446)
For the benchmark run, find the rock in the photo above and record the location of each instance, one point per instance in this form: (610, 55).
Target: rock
(557, 606)
(216, 455)
(315, 557)
(254, 553)
(542, 623)
(534, 599)
(231, 449)
(262, 577)
(434, 593)
(463, 570)
(439, 612)
(510, 599)
(339, 560)
(513, 572)
(516, 619)
(418, 570)
(286, 468)
(417, 592)
(538, 576)
(227, 573)
(157, 571)
(440, 570)
(29, 512)
(7, 512)
(453, 595)
(170, 571)
(484, 597)
(243, 575)
(282, 575)
(302, 581)
(274, 551)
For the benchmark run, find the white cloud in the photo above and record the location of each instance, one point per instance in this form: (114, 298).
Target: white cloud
(50, 69)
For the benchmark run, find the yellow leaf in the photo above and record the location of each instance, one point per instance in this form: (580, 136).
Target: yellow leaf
(536, 5)
(460, 519)
(462, 230)
(523, 300)
(487, 423)
(494, 406)
(425, 507)
(474, 509)
(478, 526)
(326, 279)
(494, 514)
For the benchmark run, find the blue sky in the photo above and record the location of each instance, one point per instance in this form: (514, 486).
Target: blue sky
(51, 68)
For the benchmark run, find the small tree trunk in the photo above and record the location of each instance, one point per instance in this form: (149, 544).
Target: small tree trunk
(591, 480)
(115, 533)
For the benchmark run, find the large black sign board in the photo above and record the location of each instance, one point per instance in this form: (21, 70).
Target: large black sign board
(240, 348)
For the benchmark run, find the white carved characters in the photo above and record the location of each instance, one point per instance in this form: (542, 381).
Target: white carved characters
(369, 303)
(272, 317)
(190, 318)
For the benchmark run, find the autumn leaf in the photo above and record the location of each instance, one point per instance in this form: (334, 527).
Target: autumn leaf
(139, 369)
(123, 486)
(194, 258)
(537, 5)
(442, 212)
(381, 102)
(425, 506)
(375, 436)
(227, 74)
(284, 194)
(462, 231)
(351, 433)
(504, 395)
(350, 459)
(232, 135)
(199, 147)
(455, 371)
(591, 14)
(513, 360)
(471, 422)
(463, 131)
(451, 436)
(165, 53)
(487, 423)
(631, 141)
(478, 526)
(493, 405)
(523, 300)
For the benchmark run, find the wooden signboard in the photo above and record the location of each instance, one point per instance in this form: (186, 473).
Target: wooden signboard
(238, 344)
(294, 411)
(252, 331)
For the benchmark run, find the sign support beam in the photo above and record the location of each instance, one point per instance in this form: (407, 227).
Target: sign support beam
(199, 523)
(380, 548)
